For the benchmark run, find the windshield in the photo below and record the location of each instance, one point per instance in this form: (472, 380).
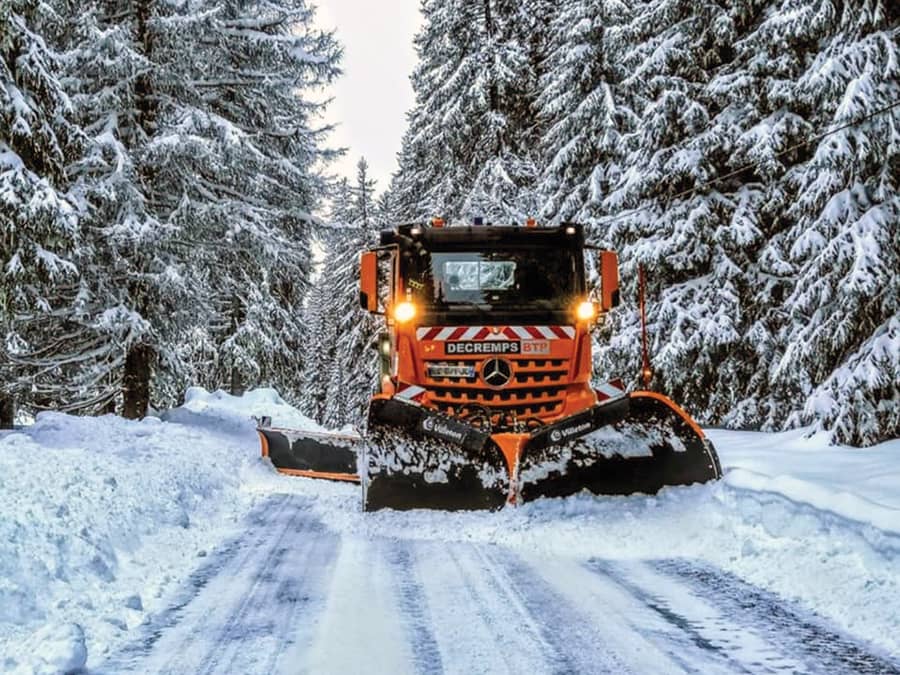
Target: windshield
(524, 278)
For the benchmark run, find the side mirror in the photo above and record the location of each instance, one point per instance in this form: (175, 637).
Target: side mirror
(609, 280)
(368, 281)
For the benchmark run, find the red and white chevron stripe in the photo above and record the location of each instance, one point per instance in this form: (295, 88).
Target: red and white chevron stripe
(409, 392)
(610, 390)
(446, 333)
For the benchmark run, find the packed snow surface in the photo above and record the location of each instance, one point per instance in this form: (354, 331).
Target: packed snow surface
(103, 521)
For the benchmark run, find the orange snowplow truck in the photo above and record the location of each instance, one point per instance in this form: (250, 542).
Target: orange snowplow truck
(487, 394)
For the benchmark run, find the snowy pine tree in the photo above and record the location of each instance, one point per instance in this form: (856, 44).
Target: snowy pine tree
(341, 206)
(202, 185)
(354, 370)
(39, 226)
(340, 371)
(841, 335)
(318, 346)
(363, 194)
(384, 209)
(125, 78)
(583, 144)
(469, 147)
(696, 243)
(739, 336)
(260, 182)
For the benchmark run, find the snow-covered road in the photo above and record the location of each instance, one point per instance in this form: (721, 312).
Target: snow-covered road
(292, 595)
(169, 545)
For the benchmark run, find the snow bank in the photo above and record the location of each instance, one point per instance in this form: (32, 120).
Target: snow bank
(101, 517)
(56, 649)
(859, 484)
(202, 408)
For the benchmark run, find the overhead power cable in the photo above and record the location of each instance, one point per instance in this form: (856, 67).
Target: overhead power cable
(731, 174)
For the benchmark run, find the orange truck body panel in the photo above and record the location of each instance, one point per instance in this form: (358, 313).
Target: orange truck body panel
(550, 379)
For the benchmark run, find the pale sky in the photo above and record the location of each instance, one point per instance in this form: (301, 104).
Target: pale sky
(373, 95)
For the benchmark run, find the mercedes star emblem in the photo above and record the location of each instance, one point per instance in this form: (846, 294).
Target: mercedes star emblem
(496, 372)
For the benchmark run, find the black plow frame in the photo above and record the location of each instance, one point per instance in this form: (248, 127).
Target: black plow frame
(311, 454)
(414, 457)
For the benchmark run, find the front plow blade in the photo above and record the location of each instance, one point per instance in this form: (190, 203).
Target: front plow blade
(417, 459)
(656, 444)
(311, 454)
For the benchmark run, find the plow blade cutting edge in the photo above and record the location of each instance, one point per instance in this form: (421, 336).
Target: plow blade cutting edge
(311, 454)
(419, 459)
(638, 444)
(416, 458)
(652, 444)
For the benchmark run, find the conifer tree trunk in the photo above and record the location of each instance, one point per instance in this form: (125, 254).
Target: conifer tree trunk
(143, 89)
(7, 411)
(237, 382)
(139, 359)
(489, 29)
(237, 317)
(138, 369)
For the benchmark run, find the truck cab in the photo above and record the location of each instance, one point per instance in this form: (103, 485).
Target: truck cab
(490, 324)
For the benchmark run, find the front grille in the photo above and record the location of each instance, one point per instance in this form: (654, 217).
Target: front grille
(537, 390)
(527, 371)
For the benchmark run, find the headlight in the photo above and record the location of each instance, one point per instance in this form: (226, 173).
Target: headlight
(404, 311)
(586, 311)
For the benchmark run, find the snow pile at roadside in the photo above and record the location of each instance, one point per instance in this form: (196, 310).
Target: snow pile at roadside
(859, 484)
(202, 408)
(101, 517)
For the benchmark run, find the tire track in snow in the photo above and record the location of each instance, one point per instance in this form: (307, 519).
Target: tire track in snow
(478, 626)
(293, 581)
(822, 649)
(412, 606)
(161, 623)
(360, 623)
(235, 628)
(474, 608)
(686, 635)
(513, 630)
(574, 643)
(640, 636)
(244, 612)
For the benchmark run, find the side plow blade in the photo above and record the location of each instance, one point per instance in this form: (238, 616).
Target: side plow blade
(416, 458)
(311, 454)
(647, 444)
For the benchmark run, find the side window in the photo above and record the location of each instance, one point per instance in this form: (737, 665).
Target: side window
(387, 278)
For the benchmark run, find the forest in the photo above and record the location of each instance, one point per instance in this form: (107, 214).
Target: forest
(169, 218)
